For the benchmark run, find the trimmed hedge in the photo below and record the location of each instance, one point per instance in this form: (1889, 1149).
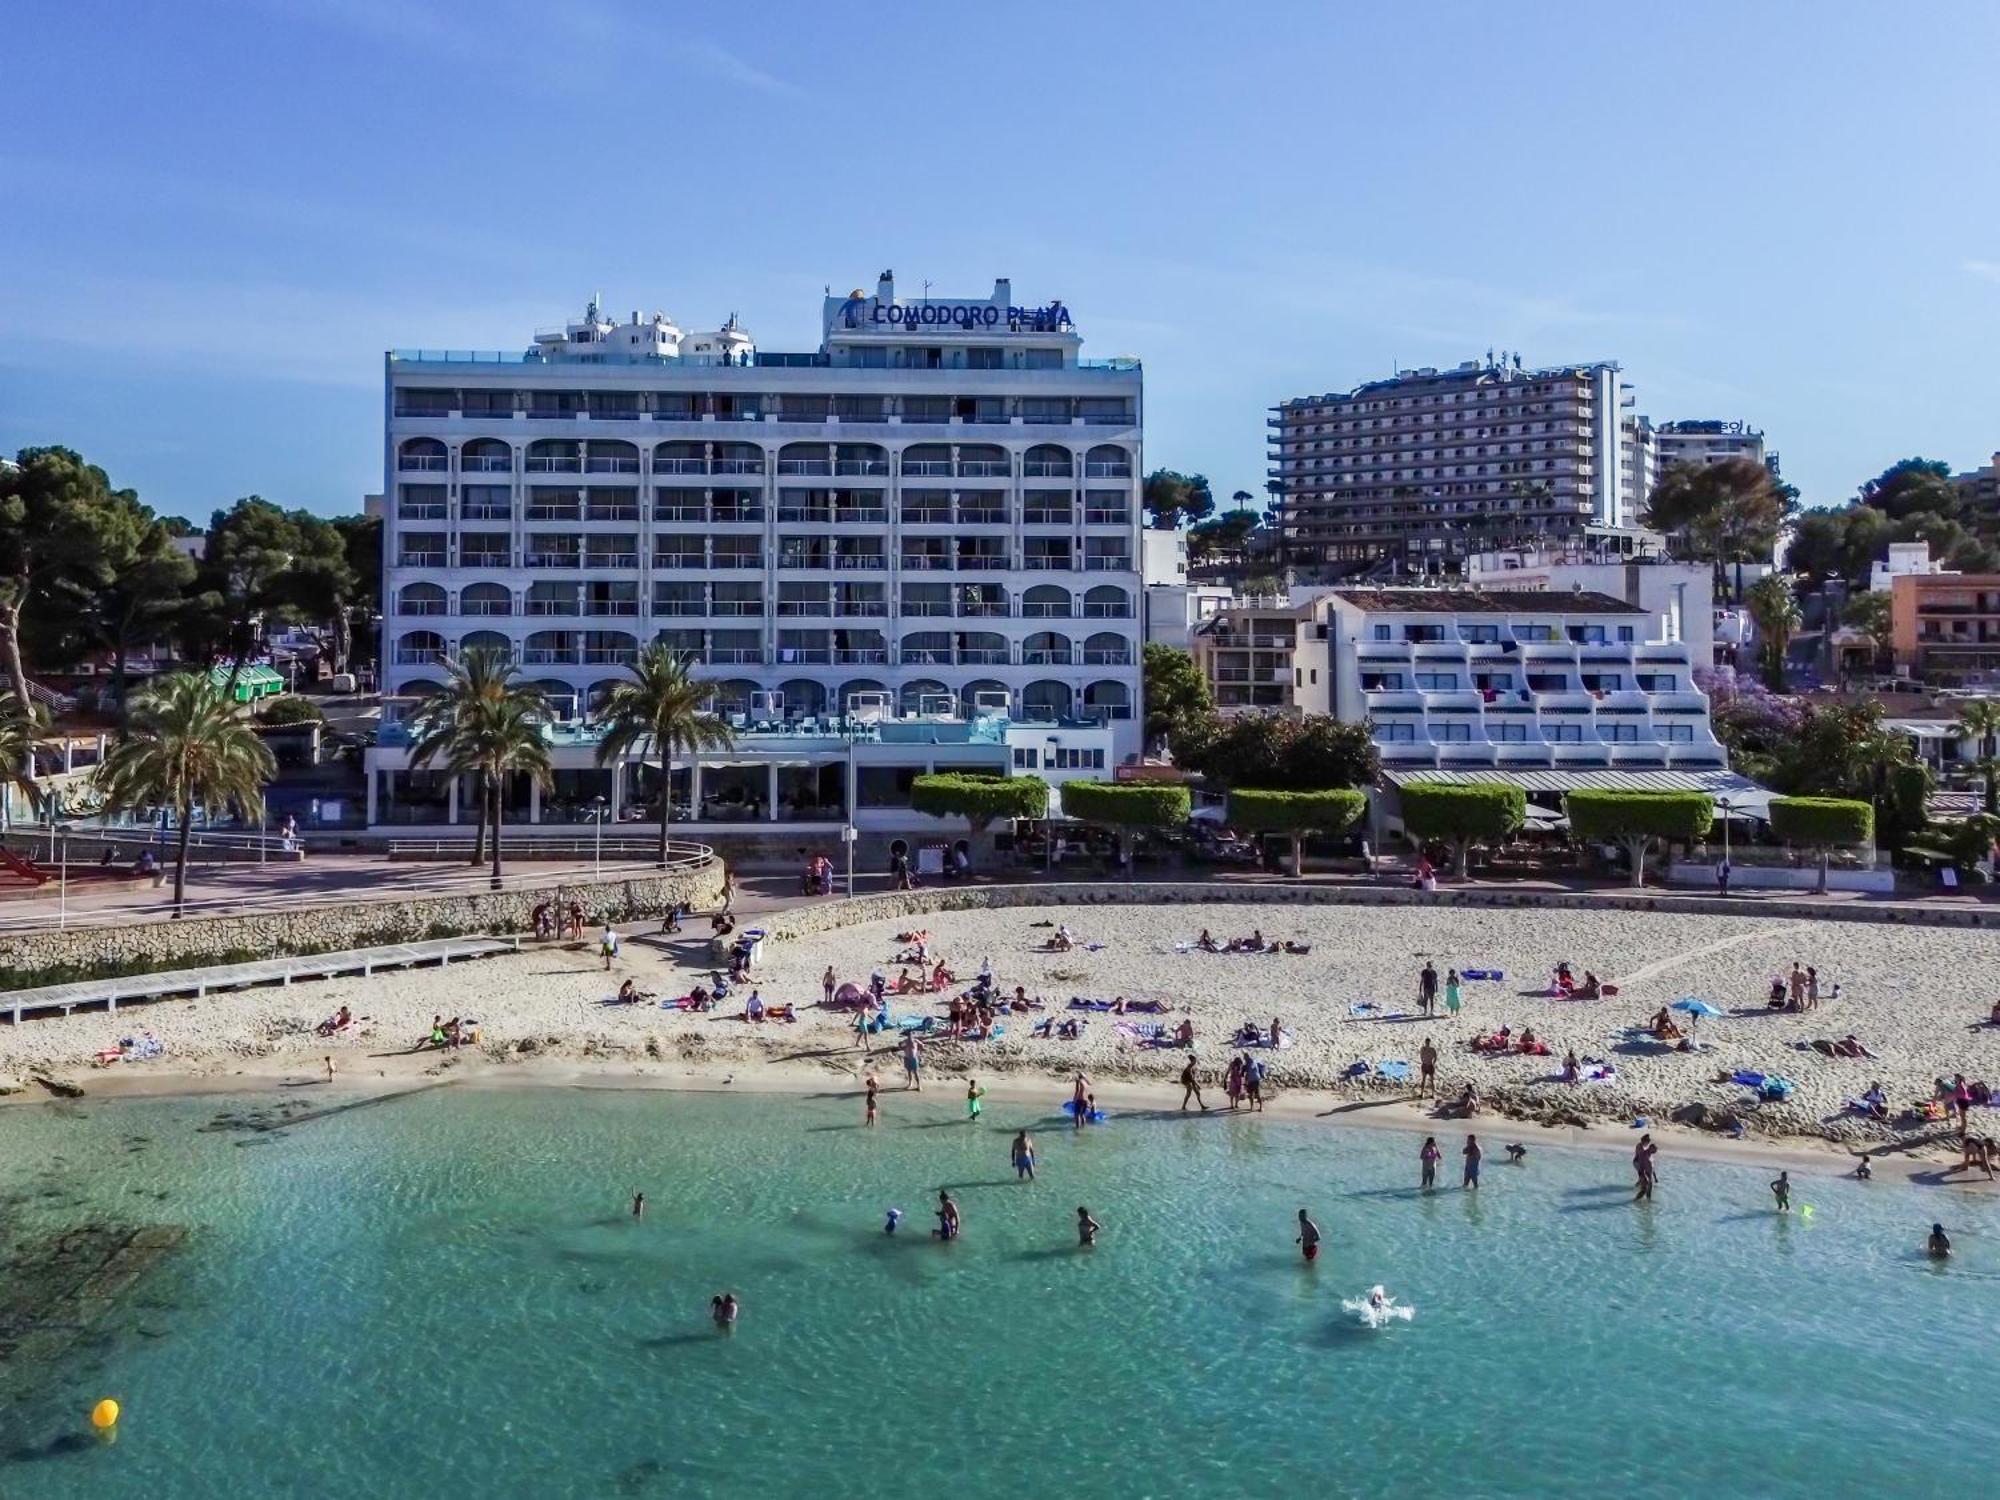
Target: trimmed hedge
(1822, 821)
(1296, 813)
(979, 799)
(1463, 815)
(1127, 804)
(1636, 819)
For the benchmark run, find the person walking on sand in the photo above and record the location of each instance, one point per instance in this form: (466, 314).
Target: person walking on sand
(1451, 993)
(874, 1086)
(329, 1070)
(1232, 1082)
(1308, 1237)
(1430, 1156)
(1253, 1082)
(1086, 1228)
(826, 983)
(1023, 1154)
(913, 1062)
(1796, 982)
(1643, 1168)
(1781, 1190)
(1473, 1154)
(1427, 1069)
(1191, 1086)
(1427, 986)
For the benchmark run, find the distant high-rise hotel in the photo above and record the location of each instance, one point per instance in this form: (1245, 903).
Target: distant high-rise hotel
(1708, 442)
(1423, 469)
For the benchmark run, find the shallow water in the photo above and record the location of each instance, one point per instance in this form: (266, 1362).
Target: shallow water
(445, 1294)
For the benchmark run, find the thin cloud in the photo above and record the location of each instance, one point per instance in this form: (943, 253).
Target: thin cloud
(1985, 270)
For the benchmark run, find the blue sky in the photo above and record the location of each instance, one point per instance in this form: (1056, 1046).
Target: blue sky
(218, 215)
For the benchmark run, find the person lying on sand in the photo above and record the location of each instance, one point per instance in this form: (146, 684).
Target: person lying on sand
(336, 1023)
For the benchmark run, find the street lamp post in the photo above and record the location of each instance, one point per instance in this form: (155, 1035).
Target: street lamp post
(1049, 823)
(848, 836)
(62, 885)
(598, 808)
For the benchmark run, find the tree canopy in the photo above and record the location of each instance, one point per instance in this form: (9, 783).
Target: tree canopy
(1822, 823)
(1914, 500)
(1638, 819)
(1176, 692)
(1171, 498)
(1729, 511)
(1775, 609)
(1127, 804)
(1265, 750)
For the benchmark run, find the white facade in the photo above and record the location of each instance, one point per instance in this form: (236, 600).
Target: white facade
(935, 511)
(1678, 598)
(1505, 679)
(1905, 559)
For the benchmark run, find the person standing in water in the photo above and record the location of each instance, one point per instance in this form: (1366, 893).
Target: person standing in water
(1642, 1167)
(1086, 1228)
(1191, 1086)
(947, 1216)
(1782, 1191)
(874, 1089)
(1023, 1154)
(1430, 1156)
(1939, 1244)
(723, 1309)
(1308, 1237)
(638, 1205)
(1473, 1153)
(973, 1094)
(913, 1061)
(1079, 1101)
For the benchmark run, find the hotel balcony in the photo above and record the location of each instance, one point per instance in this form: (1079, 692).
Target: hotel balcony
(1569, 704)
(1454, 700)
(1393, 700)
(1679, 704)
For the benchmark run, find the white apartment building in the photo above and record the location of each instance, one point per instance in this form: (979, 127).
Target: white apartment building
(935, 513)
(1678, 597)
(1554, 688)
(1420, 469)
(1708, 442)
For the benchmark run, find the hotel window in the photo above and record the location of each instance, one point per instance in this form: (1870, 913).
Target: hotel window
(1395, 734)
(1381, 632)
(1508, 733)
(1563, 734)
(1452, 733)
(1679, 734)
(1625, 633)
(1436, 682)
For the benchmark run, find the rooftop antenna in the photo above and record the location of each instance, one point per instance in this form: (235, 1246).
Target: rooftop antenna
(927, 291)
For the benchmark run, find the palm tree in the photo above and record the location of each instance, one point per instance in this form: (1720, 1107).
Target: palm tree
(478, 678)
(1776, 614)
(483, 722)
(190, 747)
(659, 710)
(1980, 719)
(22, 729)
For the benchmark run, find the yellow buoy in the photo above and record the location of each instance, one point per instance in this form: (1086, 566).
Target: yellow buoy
(104, 1415)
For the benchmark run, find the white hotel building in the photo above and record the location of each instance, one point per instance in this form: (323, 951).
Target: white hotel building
(932, 520)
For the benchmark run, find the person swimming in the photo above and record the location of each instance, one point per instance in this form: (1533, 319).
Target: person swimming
(723, 1308)
(1308, 1237)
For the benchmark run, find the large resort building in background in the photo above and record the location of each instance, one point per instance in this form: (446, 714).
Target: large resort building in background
(917, 544)
(1408, 476)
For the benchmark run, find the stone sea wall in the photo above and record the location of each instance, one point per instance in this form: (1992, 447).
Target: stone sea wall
(824, 916)
(147, 947)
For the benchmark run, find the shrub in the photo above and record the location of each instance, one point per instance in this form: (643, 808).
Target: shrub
(290, 709)
(1463, 815)
(1295, 813)
(1126, 805)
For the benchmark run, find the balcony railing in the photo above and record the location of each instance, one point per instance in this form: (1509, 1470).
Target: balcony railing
(611, 513)
(1107, 611)
(1115, 562)
(863, 467)
(1107, 471)
(680, 466)
(1043, 469)
(982, 562)
(1048, 610)
(1106, 656)
(862, 609)
(611, 607)
(927, 515)
(418, 656)
(980, 468)
(555, 512)
(867, 561)
(1042, 515)
(420, 560)
(981, 516)
(737, 560)
(982, 609)
(487, 463)
(421, 607)
(739, 466)
(983, 656)
(614, 559)
(552, 560)
(425, 463)
(1046, 562)
(921, 562)
(737, 608)
(679, 560)
(679, 607)
(1102, 517)
(596, 465)
(485, 560)
(736, 515)
(866, 656)
(925, 609)
(421, 510)
(810, 656)
(609, 656)
(552, 606)
(560, 465)
(737, 656)
(927, 468)
(804, 466)
(485, 607)
(485, 512)
(803, 608)
(1046, 658)
(549, 656)
(666, 512)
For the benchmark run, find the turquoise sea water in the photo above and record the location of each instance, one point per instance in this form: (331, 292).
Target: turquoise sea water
(445, 1295)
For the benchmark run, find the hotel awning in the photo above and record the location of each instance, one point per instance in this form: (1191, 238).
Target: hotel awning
(1741, 793)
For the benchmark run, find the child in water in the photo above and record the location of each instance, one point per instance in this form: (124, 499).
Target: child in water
(895, 1218)
(1782, 1191)
(973, 1094)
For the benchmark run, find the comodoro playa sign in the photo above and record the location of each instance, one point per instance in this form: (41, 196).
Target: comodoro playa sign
(972, 317)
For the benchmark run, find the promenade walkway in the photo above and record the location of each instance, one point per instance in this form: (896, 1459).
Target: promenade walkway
(110, 993)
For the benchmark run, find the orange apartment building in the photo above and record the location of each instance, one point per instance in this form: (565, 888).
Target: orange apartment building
(1946, 626)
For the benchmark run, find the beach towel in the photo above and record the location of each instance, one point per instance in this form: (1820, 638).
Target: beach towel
(1493, 975)
(1602, 1073)
(1077, 1002)
(1369, 1010)
(1394, 1069)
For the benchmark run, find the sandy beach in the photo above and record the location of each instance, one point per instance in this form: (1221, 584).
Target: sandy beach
(1916, 997)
